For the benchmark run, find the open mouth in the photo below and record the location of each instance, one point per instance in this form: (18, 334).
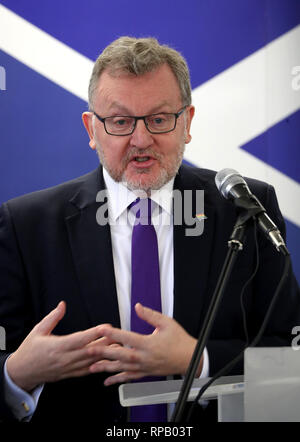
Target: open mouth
(141, 159)
(142, 162)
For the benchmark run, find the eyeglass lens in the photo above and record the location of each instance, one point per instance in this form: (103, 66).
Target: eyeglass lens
(158, 123)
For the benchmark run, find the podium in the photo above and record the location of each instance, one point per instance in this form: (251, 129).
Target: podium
(269, 391)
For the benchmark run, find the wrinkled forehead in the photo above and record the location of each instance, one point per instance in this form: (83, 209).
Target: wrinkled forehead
(152, 89)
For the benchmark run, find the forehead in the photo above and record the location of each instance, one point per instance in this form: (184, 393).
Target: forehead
(156, 90)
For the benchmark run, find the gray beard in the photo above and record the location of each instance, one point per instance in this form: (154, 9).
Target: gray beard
(165, 175)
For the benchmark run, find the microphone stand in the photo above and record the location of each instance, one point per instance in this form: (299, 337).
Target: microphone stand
(235, 245)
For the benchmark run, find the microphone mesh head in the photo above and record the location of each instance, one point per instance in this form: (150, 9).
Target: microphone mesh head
(226, 179)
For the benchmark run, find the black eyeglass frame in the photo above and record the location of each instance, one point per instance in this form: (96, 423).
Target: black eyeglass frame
(143, 117)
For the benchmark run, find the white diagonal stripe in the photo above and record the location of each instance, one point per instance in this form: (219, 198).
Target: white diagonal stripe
(243, 102)
(231, 108)
(45, 54)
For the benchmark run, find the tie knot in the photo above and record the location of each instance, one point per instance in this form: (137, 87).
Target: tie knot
(142, 209)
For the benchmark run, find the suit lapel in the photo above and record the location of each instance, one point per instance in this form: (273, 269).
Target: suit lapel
(192, 257)
(92, 252)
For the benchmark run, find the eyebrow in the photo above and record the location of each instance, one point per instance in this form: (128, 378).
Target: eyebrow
(125, 111)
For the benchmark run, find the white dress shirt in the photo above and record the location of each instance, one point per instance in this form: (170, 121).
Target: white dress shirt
(121, 224)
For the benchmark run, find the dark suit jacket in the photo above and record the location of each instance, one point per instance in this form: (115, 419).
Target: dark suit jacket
(51, 248)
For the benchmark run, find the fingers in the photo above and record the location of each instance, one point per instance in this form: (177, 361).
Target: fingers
(49, 322)
(72, 341)
(117, 352)
(100, 342)
(78, 361)
(113, 366)
(81, 349)
(81, 339)
(132, 339)
(84, 358)
(81, 363)
(153, 317)
(125, 376)
(116, 358)
(123, 337)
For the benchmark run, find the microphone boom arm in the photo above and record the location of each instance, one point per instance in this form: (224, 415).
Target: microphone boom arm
(235, 244)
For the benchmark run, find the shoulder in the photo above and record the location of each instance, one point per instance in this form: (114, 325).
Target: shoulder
(53, 201)
(205, 179)
(57, 194)
(191, 177)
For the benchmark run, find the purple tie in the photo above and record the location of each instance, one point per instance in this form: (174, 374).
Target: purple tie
(145, 288)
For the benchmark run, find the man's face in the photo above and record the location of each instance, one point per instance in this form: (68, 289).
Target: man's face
(142, 160)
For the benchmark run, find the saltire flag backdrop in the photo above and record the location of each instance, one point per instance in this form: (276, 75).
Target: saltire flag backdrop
(244, 58)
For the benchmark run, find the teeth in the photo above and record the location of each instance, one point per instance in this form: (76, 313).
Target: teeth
(141, 159)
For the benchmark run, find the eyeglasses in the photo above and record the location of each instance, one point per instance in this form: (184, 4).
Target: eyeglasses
(122, 125)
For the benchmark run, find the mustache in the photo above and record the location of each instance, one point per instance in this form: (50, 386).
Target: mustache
(144, 152)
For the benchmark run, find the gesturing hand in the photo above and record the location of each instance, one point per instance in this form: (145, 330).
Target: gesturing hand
(168, 350)
(43, 357)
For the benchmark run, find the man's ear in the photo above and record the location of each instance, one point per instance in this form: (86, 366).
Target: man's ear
(189, 116)
(87, 118)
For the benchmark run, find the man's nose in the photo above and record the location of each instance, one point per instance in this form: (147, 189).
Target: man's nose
(141, 137)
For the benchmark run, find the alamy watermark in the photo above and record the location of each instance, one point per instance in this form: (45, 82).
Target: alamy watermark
(2, 338)
(296, 341)
(296, 78)
(2, 79)
(187, 209)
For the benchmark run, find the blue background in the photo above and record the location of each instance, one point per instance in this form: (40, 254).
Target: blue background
(42, 139)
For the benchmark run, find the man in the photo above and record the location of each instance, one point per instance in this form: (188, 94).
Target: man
(53, 249)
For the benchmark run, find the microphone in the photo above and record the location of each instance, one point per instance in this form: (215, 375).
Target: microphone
(233, 187)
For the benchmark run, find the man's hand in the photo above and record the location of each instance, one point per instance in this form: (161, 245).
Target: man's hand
(43, 357)
(168, 350)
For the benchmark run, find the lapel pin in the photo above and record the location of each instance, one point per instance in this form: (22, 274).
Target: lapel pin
(201, 216)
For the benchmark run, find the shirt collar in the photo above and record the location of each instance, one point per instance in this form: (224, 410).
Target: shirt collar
(120, 197)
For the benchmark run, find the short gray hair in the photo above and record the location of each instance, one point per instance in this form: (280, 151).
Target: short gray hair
(138, 56)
